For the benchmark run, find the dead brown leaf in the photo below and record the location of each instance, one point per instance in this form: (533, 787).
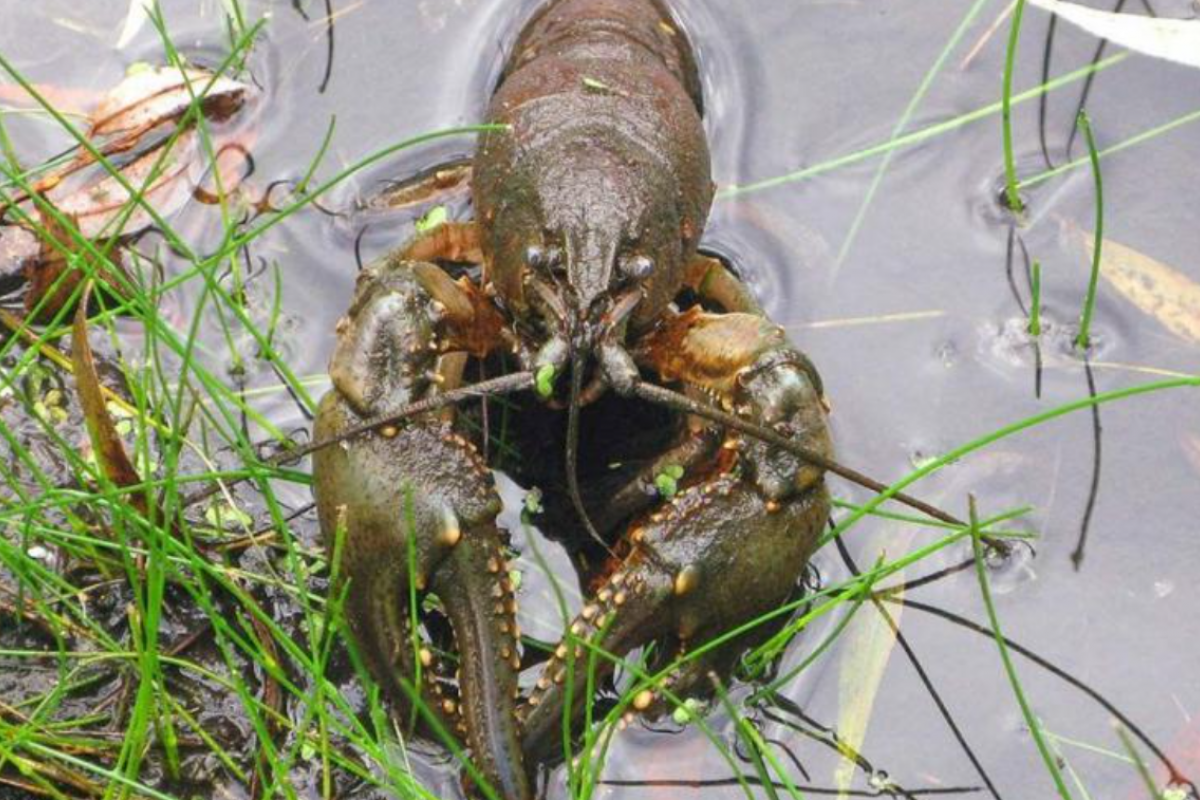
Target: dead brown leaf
(135, 118)
(96, 198)
(1163, 292)
(156, 95)
(61, 264)
(53, 277)
(870, 639)
(106, 442)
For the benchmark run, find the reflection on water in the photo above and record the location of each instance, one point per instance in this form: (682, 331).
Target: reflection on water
(933, 290)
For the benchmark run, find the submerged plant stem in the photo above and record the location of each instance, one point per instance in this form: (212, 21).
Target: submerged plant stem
(1035, 302)
(1035, 727)
(1010, 165)
(1083, 340)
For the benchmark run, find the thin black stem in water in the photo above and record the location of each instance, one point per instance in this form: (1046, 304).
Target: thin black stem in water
(516, 382)
(1094, 490)
(925, 580)
(1009, 266)
(1035, 300)
(659, 395)
(328, 48)
(923, 676)
(1086, 91)
(1174, 776)
(1044, 99)
(1035, 325)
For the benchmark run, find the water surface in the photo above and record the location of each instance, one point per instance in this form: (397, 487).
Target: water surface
(908, 288)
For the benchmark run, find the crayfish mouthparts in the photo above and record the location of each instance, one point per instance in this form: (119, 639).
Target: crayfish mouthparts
(604, 337)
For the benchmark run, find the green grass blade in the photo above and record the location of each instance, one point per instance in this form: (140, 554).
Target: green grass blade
(1031, 720)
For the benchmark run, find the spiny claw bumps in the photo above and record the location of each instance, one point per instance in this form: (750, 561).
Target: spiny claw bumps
(411, 509)
(712, 558)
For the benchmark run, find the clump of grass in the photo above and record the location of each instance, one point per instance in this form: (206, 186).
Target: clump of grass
(160, 556)
(191, 429)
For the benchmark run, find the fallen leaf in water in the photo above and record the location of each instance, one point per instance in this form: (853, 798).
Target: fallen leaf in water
(135, 19)
(59, 268)
(153, 96)
(132, 127)
(95, 198)
(1191, 449)
(1176, 40)
(425, 187)
(1163, 292)
(868, 641)
(147, 102)
(106, 442)
(52, 276)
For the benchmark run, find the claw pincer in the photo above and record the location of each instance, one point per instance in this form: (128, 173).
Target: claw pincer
(411, 510)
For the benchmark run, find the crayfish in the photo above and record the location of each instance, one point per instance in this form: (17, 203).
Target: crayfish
(583, 269)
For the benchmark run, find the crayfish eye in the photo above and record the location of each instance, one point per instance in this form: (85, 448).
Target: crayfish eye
(535, 256)
(543, 258)
(638, 268)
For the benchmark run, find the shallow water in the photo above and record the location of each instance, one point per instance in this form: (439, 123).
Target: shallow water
(902, 292)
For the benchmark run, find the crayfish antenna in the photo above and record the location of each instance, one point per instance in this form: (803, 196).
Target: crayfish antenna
(578, 359)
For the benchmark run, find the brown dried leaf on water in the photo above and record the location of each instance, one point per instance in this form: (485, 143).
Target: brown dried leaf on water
(96, 198)
(106, 442)
(866, 648)
(137, 115)
(131, 126)
(1163, 292)
(437, 185)
(152, 96)
(60, 266)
